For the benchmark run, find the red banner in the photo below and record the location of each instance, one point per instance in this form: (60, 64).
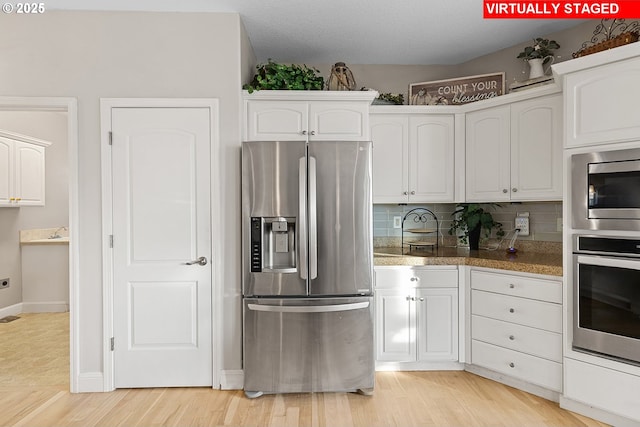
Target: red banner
(495, 9)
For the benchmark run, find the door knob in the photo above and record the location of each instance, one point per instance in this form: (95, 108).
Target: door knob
(201, 261)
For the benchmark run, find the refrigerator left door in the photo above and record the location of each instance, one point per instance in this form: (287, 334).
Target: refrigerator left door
(274, 233)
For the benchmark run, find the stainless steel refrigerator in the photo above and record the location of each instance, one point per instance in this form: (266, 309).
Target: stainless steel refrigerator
(307, 267)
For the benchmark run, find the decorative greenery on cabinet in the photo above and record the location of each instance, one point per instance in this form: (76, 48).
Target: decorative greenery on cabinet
(275, 76)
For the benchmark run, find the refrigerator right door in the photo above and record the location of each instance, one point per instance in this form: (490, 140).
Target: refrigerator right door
(340, 218)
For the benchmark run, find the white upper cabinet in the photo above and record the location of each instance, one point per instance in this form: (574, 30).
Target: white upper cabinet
(488, 163)
(601, 99)
(536, 149)
(22, 170)
(312, 115)
(413, 158)
(514, 152)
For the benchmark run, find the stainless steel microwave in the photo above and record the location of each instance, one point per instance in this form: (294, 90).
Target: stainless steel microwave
(605, 190)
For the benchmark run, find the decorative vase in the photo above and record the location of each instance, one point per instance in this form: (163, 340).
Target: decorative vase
(536, 68)
(474, 238)
(341, 78)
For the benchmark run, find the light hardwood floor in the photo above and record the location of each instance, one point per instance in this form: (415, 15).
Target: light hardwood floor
(34, 393)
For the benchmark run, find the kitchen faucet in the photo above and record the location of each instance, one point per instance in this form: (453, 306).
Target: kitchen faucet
(55, 234)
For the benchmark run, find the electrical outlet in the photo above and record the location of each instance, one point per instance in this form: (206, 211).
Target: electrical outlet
(397, 222)
(559, 224)
(522, 222)
(4, 283)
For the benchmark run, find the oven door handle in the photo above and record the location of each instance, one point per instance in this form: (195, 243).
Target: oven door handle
(605, 261)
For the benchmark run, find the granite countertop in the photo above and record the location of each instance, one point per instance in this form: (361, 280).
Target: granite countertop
(549, 263)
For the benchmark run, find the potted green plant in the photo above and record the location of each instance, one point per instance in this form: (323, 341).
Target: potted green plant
(275, 76)
(539, 54)
(471, 219)
(542, 49)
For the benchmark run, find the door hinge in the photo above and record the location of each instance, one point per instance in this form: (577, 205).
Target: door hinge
(110, 138)
(111, 240)
(113, 344)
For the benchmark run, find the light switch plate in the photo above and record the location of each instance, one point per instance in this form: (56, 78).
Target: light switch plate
(397, 222)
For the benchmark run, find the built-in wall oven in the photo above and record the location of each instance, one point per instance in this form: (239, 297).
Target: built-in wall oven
(606, 296)
(605, 190)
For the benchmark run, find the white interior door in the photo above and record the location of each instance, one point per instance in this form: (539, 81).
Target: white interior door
(161, 222)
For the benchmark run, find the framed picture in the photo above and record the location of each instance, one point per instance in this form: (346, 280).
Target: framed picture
(458, 91)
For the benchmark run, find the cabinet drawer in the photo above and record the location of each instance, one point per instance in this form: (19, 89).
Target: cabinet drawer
(446, 277)
(536, 342)
(520, 286)
(529, 368)
(537, 314)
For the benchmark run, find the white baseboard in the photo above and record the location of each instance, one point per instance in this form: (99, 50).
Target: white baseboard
(12, 310)
(45, 307)
(90, 382)
(597, 413)
(232, 379)
(545, 393)
(419, 366)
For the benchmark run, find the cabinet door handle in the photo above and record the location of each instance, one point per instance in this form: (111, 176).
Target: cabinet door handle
(415, 279)
(304, 132)
(420, 299)
(313, 132)
(514, 190)
(504, 190)
(413, 192)
(405, 193)
(511, 286)
(511, 310)
(512, 365)
(408, 297)
(511, 337)
(11, 199)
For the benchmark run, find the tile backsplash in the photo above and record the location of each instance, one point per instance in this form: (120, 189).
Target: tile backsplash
(543, 218)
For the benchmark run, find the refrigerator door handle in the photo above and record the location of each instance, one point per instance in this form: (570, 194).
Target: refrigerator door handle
(308, 308)
(313, 224)
(302, 218)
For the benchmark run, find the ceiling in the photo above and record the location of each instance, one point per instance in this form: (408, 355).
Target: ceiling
(425, 32)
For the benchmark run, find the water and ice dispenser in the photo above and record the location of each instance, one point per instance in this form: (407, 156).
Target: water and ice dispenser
(273, 247)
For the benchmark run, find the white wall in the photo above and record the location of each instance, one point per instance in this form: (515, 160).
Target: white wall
(52, 127)
(93, 55)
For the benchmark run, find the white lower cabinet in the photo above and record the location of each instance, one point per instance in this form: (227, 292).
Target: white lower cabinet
(416, 317)
(516, 326)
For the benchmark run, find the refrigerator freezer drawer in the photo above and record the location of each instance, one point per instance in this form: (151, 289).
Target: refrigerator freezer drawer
(308, 345)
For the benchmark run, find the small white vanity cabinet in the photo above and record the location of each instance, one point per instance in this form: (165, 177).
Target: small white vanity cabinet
(22, 170)
(413, 156)
(514, 151)
(416, 317)
(284, 115)
(516, 326)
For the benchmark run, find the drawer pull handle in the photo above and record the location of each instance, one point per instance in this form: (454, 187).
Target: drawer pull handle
(511, 310)
(512, 365)
(408, 297)
(511, 337)
(415, 279)
(420, 299)
(511, 285)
